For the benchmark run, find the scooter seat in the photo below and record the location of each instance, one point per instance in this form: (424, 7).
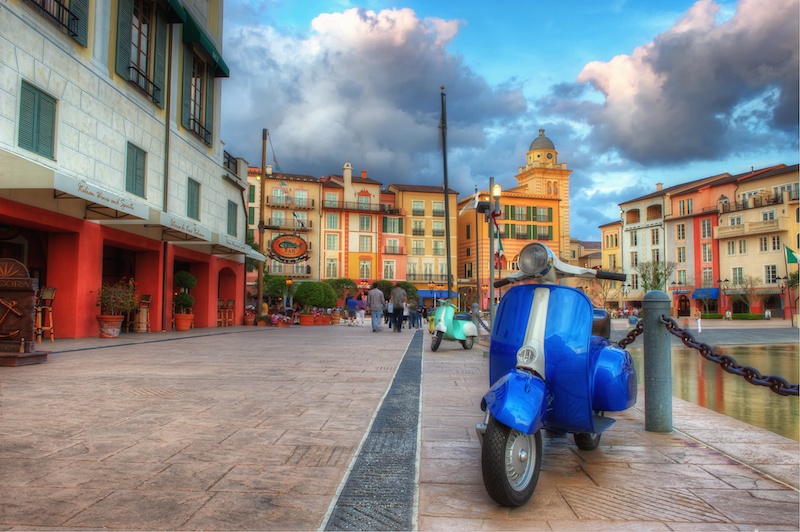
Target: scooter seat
(601, 323)
(463, 316)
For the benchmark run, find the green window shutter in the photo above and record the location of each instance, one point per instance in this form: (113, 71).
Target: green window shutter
(124, 28)
(251, 235)
(135, 170)
(160, 60)
(193, 199)
(529, 213)
(27, 117)
(530, 232)
(140, 171)
(251, 215)
(550, 215)
(251, 198)
(383, 223)
(549, 232)
(209, 118)
(507, 212)
(400, 225)
(186, 103)
(130, 169)
(46, 126)
(232, 211)
(80, 8)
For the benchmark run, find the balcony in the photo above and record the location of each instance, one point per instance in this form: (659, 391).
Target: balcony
(230, 163)
(750, 228)
(426, 278)
(758, 201)
(394, 250)
(286, 224)
(438, 232)
(418, 232)
(337, 205)
(289, 270)
(438, 253)
(290, 202)
(438, 214)
(417, 212)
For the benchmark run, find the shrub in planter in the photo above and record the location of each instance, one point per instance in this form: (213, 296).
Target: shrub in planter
(315, 294)
(185, 280)
(184, 302)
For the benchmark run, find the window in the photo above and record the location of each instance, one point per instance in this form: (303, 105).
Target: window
(680, 232)
(332, 268)
(708, 277)
(705, 228)
(705, 251)
(776, 243)
(411, 271)
(276, 267)
(763, 244)
(364, 223)
(469, 227)
(634, 278)
(278, 218)
(392, 225)
(135, 170)
(193, 199)
(742, 247)
(301, 198)
(770, 274)
(634, 259)
(427, 271)
(438, 208)
(331, 200)
(681, 254)
(233, 214)
(656, 255)
(418, 228)
(332, 242)
(363, 204)
(198, 96)
(70, 16)
(731, 248)
(388, 270)
(251, 194)
(735, 220)
(438, 228)
(141, 58)
(251, 235)
(365, 269)
(688, 206)
(278, 196)
(682, 277)
(392, 246)
(612, 262)
(332, 220)
(365, 244)
(251, 215)
(654, 237)
(300, 220)
(37, 121)
(682, 207)
(438, 247)
(417, 247)
(767, 216)
(418, 208)
(738, 275)
(634, 238)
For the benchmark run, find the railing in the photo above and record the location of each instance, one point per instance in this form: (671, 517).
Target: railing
(289, 201)
(418, 232)
(196, 127)
(394, 250)
(417, 212)
(230, 162)
(438, 252)
(59, 13)
(757, 201)
(749, 228)
(356, 206)
(426, 277)
(439, 214)
(417, 251)
(294, 270)
(438, 232)
(283, 223)
(140, 80)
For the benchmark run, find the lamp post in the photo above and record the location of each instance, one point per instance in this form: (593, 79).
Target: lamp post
(783, 282)
(432, 287)
(723, 285)
(286, 293)
(496, 192)
(626, 288)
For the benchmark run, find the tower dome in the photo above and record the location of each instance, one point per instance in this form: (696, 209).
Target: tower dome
(541, 142)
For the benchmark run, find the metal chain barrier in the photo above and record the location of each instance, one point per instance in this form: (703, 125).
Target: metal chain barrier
(778, 385)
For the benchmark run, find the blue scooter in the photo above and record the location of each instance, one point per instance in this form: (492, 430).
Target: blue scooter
(552, 367)
(449, 325)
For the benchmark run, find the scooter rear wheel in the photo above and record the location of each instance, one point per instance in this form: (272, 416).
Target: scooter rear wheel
(510, 462)
(468, 343)
(436, 340)
(587, 441)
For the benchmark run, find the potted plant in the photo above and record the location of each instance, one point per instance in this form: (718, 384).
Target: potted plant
(263, 321)
(313, 295)
(183, 301)
(249, 315)
(115, 300)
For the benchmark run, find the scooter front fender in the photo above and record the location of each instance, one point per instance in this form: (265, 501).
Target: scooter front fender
(517, 400)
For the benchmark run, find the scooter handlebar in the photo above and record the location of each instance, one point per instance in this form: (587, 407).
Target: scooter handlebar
(501, 283)
(611, 276)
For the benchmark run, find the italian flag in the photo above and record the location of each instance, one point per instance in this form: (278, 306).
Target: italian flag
(791, 256)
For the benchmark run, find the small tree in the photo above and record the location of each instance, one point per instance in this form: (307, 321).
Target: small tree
(386, 287)
(411, 290)
(654, 275)
(342, 285)
(745, 292)
(275, 287)
(315, 294)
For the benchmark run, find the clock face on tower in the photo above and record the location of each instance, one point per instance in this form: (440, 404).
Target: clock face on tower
(549, 155)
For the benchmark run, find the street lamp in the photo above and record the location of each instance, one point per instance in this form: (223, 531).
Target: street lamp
(723, 285)
(626, 288)
(783, 282)
(432, 288)
(496, 192)
(286, 294)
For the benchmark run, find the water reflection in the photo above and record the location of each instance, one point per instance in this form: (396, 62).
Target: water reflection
(705, 383)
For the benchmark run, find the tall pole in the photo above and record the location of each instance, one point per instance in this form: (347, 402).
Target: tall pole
(491, 255)
(262, 198)
(446, 194)
(477, 256)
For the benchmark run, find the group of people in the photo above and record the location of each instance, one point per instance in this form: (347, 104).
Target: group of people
(394, 312)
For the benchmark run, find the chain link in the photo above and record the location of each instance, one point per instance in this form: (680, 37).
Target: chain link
(778, 385)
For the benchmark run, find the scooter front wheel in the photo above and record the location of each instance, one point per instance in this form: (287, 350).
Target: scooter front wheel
(587, 441)
(468, 343)
(511, 462)
(436, 340)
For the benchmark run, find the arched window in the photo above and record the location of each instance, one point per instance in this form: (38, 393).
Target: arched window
(549, 188)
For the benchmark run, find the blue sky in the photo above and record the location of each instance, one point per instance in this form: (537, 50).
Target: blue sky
(632, 93)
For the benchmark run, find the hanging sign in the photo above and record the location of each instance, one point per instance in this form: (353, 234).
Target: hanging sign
(288, 248)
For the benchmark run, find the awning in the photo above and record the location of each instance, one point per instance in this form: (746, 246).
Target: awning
(438, 294)
(706, 293)
(768, 291)
(176, 229)
(192, 32)
(224, 244)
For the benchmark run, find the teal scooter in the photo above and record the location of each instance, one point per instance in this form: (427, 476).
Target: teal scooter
(451, 326)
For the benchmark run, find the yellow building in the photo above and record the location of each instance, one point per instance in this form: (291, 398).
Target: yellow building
(535, 210)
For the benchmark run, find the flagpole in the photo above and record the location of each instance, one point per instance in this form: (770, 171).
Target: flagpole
(446, 194)
(491, 256)
(262, 198)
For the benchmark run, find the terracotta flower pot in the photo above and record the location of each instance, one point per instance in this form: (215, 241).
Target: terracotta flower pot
(249, 320)
(109, 326)
(306, 319)
(183, 321)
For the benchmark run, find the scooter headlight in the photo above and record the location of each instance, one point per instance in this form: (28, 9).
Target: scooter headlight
(535, 259)
(527, 356)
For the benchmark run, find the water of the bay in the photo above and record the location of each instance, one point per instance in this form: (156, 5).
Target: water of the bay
(706, 384)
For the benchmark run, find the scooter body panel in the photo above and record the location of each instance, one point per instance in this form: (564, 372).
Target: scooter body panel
(615, 386)
(517, 400)
(453, 326)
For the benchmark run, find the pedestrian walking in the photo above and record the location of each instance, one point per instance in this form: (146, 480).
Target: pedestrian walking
(697, 316)
(351, 310)
(361, 309)
(398, 298)
(375, 304)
